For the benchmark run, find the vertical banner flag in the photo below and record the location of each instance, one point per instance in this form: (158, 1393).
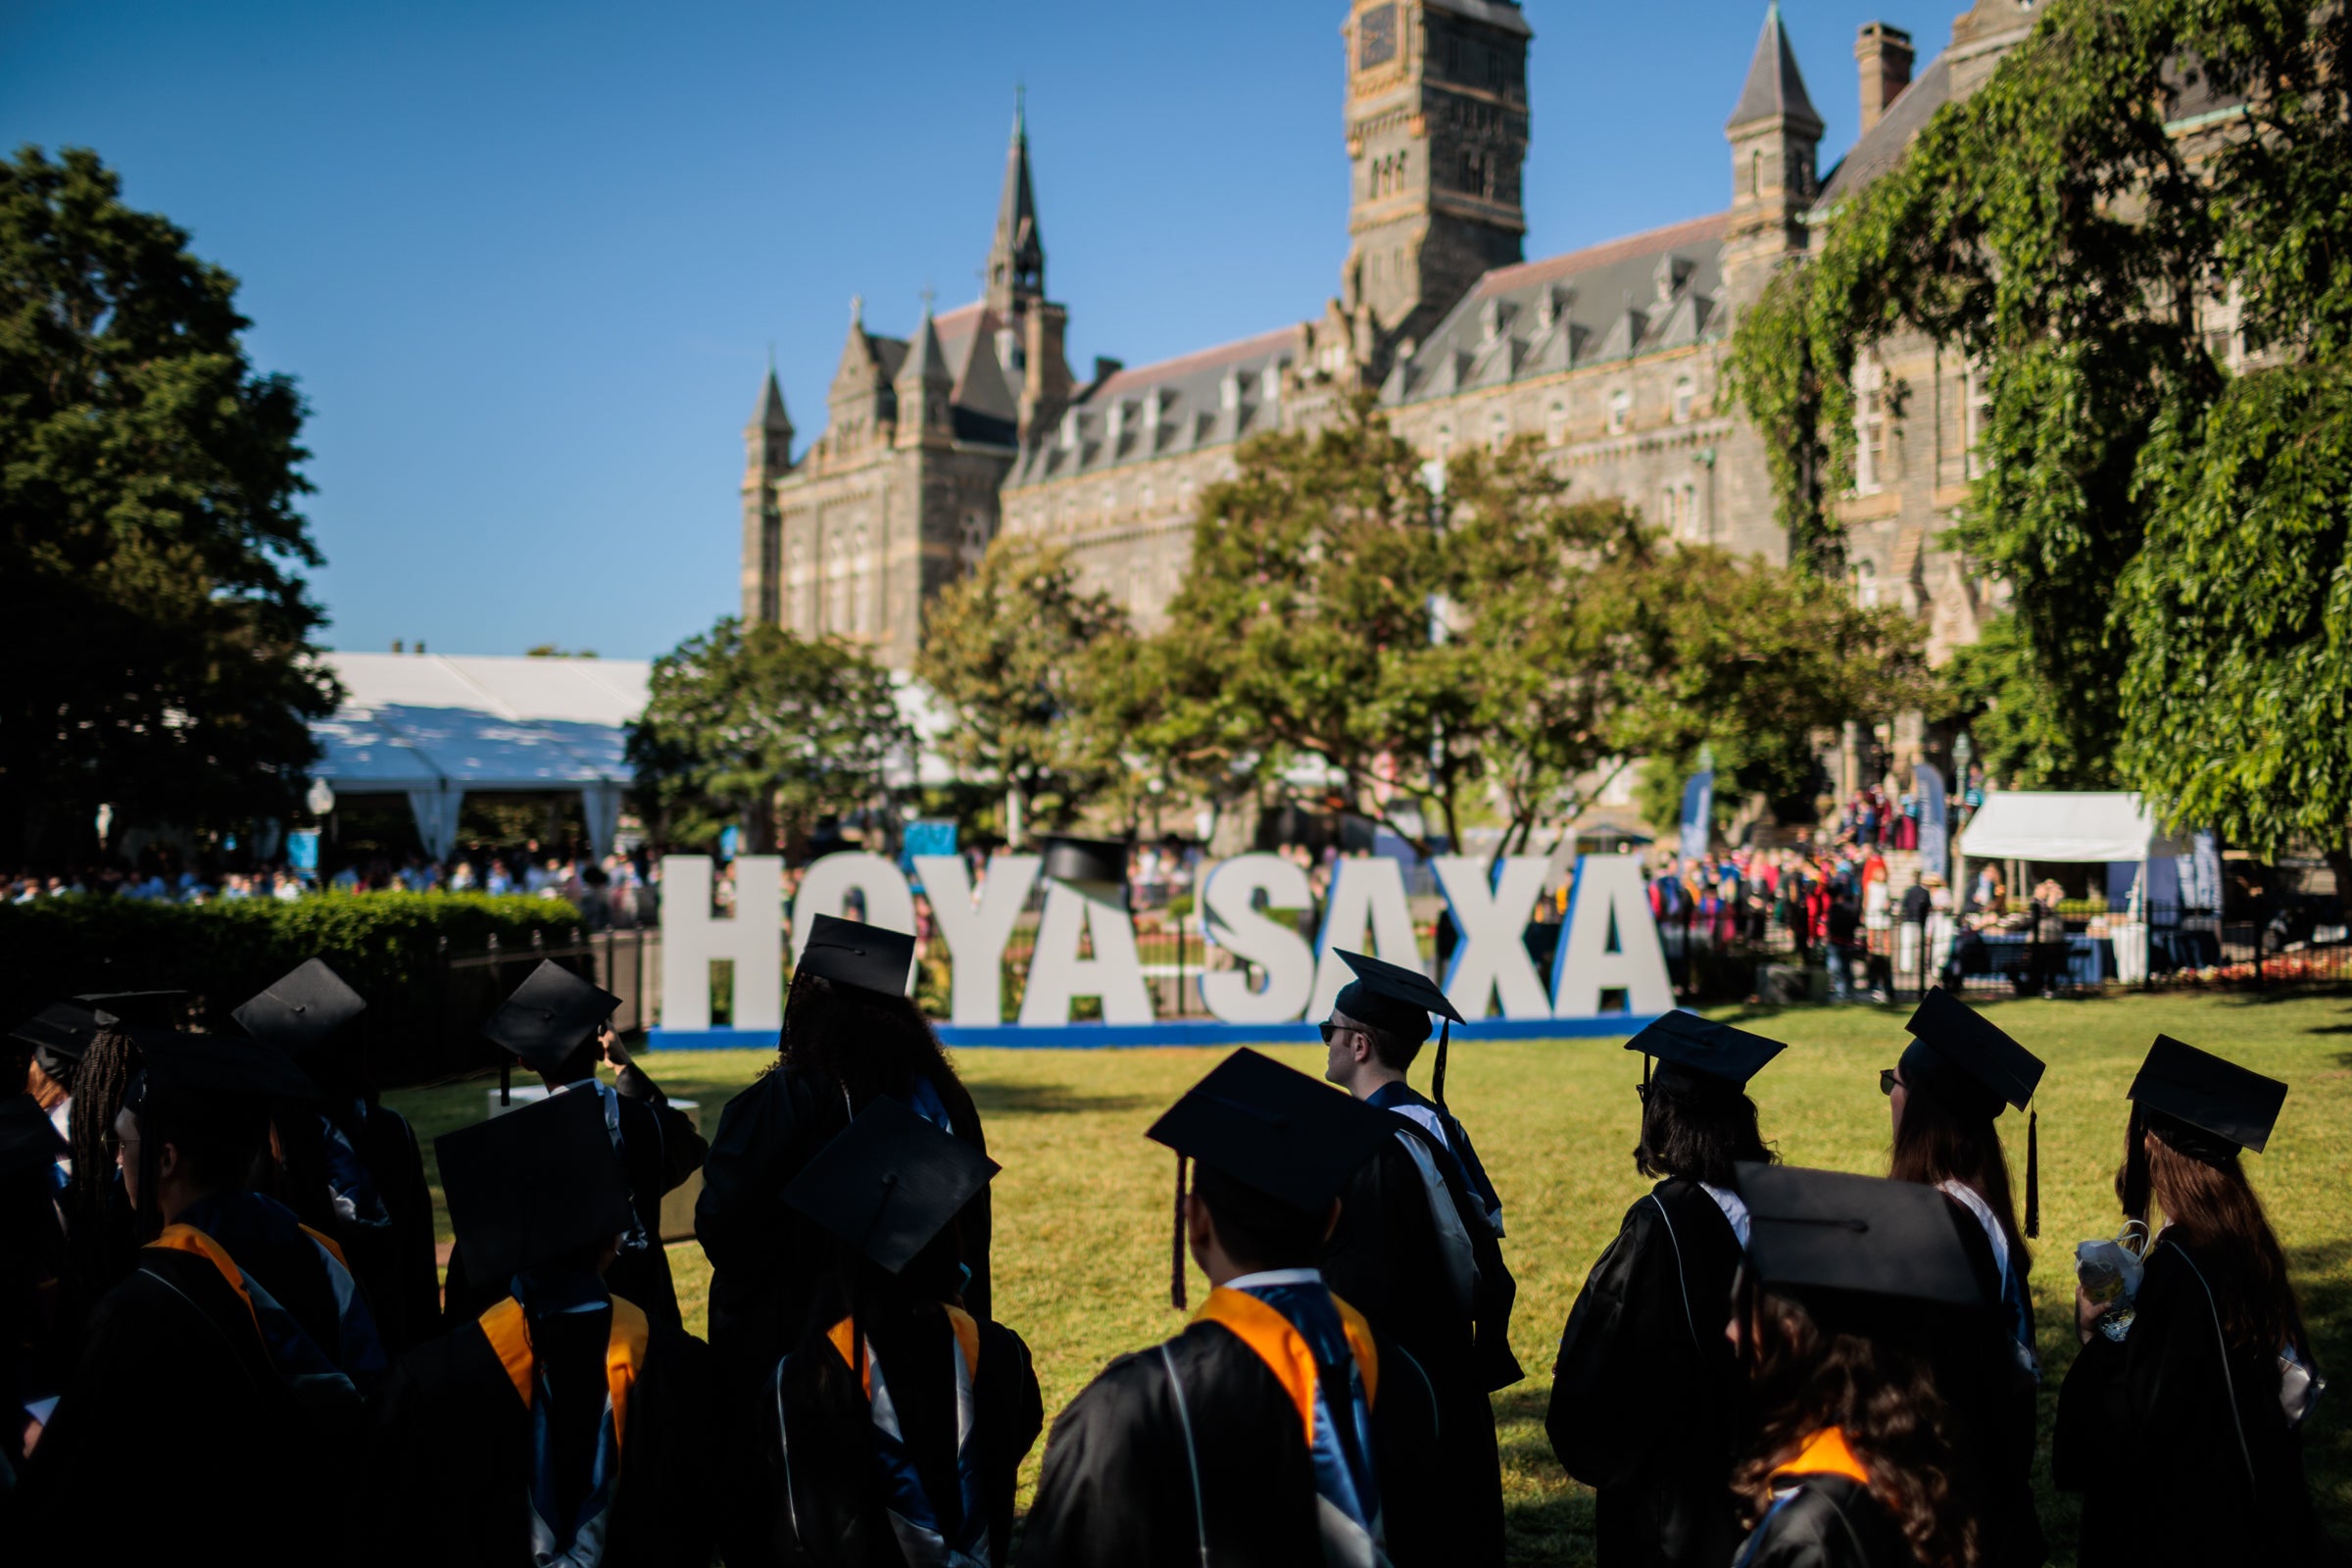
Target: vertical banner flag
(1935, 822)
(1699, 815)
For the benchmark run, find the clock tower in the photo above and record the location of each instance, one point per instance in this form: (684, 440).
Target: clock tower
(1436, 136)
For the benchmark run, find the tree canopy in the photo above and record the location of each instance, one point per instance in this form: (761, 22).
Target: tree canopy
(152, 622)
(753, 726)
(2083, 228)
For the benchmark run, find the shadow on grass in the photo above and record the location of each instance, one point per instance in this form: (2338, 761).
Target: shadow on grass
(2324, 1280)
(999, 1099)
(1547, 1518)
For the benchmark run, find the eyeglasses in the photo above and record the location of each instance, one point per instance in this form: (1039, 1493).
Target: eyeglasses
(1329, 1030)
(1887, 1080)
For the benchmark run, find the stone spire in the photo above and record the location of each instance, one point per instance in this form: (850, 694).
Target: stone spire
(769, 418)
(924, 387)
(1016, 261)
(1775, 88)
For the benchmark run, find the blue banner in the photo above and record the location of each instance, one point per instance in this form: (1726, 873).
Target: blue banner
(1699, 815)
(302, 850)
(1934, 822)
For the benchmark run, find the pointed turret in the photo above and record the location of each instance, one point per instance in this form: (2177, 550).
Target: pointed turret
(767, 439)
(924, 387)
(859, 403)
(1016, 261)
(1775, 88)
(1775, 132)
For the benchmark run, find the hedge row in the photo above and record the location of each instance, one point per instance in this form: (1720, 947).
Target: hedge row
(421, 1021)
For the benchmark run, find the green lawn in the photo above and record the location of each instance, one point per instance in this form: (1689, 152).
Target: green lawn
(1082, 1206)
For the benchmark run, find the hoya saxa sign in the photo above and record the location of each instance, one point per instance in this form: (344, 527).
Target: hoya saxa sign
(1279, 986)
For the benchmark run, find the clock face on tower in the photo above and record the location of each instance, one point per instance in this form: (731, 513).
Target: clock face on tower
(1376, 37)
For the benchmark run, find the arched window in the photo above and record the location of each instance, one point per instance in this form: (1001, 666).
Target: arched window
(862, 609)
(1620, 410)
(1872, 469)
(1684, 394)
(1499, 431)
(796, 581)
(1755, 172)
(1555, 423)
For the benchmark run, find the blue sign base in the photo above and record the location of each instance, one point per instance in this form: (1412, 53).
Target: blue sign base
(1177, 1032)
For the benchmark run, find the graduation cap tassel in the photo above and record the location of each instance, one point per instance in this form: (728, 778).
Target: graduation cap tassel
(1176, 1247)
(1437, 1083)
(2033, 1173)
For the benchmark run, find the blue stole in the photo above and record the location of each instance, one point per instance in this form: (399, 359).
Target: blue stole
(250, 1222)
(574, 1537)
(1453, 1144)
(1343, 1472)
(925, 1540)
(347, 1180)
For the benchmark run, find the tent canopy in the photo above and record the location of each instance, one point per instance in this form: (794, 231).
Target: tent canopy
(2055, 825)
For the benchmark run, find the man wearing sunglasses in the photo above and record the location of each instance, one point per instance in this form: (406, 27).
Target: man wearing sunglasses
(1417, 1247)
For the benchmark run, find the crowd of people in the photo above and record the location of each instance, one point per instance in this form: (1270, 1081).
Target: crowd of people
(220, 1290)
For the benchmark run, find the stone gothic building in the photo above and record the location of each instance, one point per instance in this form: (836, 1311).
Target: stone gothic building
(1612, 356)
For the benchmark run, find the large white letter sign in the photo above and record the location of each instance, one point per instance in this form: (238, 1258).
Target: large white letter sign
(1608, 897)
(1057, 974)
(1274, 946)
(691, 939)
(1493, 921)
(976, 933)
(1366, 892)
(825, 889)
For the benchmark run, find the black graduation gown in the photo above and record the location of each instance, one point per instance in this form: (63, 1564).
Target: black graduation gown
(1993, 1402)
(394, 1262)
(175, 1417)
(450, 1463)
(1828, 1521)
(660, 1148)
(768, 1260)
(1118, 1487)
(822, 1504)
(1644, 1396)
(39, 1310)
(2149, 1432)
(1385, 1261)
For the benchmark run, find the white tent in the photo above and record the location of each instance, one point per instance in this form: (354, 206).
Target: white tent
(437, 729)
(2055, 825)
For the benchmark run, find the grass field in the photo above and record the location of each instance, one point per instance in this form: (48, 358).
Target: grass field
(1082, 1206)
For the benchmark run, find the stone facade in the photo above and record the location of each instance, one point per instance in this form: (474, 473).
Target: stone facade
(1612, 356)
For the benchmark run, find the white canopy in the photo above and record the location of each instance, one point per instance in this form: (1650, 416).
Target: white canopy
(436, 728)
(2055, 825)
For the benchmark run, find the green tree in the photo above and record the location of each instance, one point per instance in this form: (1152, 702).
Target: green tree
(756, 726)
(2068, 229)
(2015, 718)
(155, 631)
(1008, 652)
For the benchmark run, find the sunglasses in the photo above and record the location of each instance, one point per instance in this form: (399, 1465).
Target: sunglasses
(1887, 1080)
(1331, 1030)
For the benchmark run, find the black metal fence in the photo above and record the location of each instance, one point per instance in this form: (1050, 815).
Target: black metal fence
(470, 984)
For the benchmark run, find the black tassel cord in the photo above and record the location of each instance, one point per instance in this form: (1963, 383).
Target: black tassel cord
(1437, 1083)
(2033, 1173)
(1176, 1249)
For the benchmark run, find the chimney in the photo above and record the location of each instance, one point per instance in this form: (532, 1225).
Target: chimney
(1885, 55)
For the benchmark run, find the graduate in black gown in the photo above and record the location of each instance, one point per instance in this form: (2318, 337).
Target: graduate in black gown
(34, 1282)
(58, 1036)
(851, 1032)
(564, 1428)
(1278, 1429)
(379, 1206)
(1848, 1282)
(2180, 1421)
(1956, 1077)
(893, 1436)
(1645, 1396)
(561, 1027)
(1418, 1249)
(234, 1359)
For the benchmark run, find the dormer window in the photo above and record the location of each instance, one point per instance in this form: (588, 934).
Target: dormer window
(1672, 272)
(1118, 420)
(1490, 321)
(1155, 410)
(1069, 430)
(1229, 390)
(1270, 384)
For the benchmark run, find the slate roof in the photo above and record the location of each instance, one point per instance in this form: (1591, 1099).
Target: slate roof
(983, 401)
(1775, 86)
(1205, 399)
(1633, 296)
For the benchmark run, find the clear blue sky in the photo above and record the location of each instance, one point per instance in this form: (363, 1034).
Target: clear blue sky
(525, 259)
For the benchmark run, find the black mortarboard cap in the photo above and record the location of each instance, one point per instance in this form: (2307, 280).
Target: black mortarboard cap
(60, 1035)
(2216, 1098)
(1841, 1242)
(550, 1015)
(850, 952)
(1391, 997)
(220, 1064)
(1280, 1132)
(29, 1140)
(532, 1185)
(302, 1009)
(147, 1009)
(1964, 1059)
(889, 1183)
(1100, 861)
(1716, 1049)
